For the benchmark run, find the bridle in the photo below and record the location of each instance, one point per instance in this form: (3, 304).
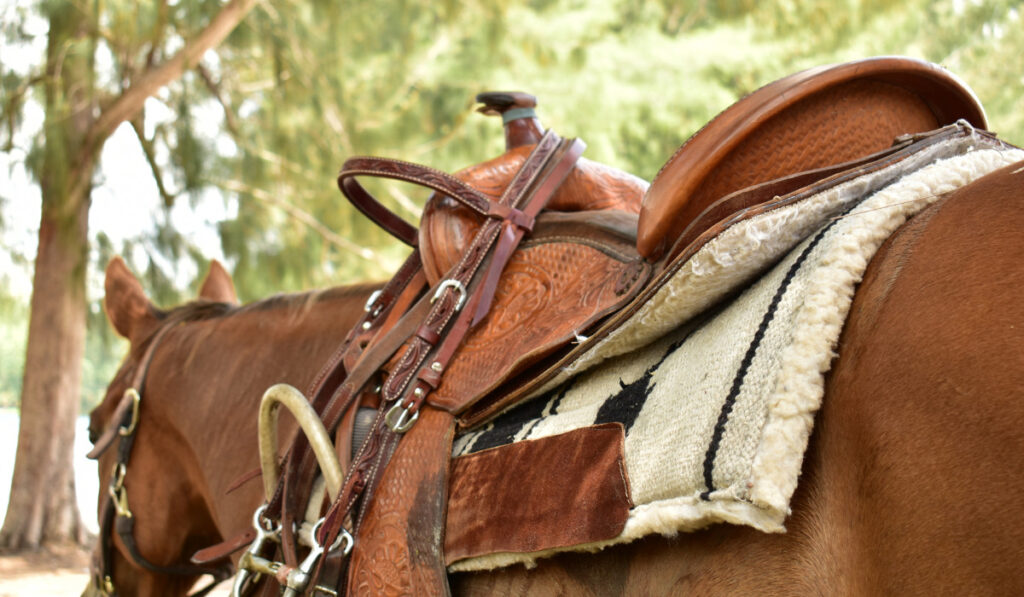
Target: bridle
(116, 514)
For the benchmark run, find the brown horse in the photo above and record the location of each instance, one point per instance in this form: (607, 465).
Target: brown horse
(907, 484)
(919, 441)
(196, 431)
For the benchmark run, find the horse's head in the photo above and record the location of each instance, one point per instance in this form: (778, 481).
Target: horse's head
(151, 508)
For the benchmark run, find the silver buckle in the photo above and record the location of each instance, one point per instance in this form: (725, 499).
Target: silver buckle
(396, 418)
(450, 283)
(370, 302)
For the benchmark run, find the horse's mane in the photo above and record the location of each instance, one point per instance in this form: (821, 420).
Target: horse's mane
(202, 310)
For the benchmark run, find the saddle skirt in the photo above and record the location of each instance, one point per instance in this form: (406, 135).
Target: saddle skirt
(705, 411)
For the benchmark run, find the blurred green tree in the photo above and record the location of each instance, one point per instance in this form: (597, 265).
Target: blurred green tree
(150, 45)
(299, 86)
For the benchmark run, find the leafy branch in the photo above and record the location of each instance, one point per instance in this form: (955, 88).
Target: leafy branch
(302, 216)
(150, 152)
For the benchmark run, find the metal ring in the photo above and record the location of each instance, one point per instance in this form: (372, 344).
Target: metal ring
(343, 535)
(130, 429)
(451, 283)
(396, 418)
(258, 520)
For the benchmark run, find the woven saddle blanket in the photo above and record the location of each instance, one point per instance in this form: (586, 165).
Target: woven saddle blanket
(717, 379)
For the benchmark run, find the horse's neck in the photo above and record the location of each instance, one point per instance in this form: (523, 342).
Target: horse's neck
(218, 369)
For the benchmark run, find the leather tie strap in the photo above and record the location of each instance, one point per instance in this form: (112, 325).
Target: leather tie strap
(527, 194)
(405, 171)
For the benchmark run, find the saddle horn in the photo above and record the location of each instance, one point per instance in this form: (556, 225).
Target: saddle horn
(447, 228)
(522, 127)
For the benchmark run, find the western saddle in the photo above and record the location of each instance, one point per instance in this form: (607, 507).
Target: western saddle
(519, 266)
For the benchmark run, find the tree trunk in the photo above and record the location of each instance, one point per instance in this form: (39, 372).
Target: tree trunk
(42, 505)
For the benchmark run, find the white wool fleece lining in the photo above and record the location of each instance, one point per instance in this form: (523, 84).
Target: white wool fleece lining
(765, 354)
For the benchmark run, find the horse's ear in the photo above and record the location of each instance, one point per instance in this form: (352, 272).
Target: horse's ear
(127, 306)
(218, 285)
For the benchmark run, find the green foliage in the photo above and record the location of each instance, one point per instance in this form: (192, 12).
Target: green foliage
(13, 330)
(303, 85)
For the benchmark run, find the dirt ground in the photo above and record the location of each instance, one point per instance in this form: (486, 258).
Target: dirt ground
(55, 571)
(58, 571)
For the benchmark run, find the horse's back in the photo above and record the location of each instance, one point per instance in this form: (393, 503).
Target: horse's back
(925, 400)
(911, 477)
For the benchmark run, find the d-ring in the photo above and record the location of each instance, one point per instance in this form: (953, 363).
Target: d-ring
(130, 429)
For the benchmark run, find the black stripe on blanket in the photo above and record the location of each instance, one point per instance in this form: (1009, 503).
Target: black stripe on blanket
(625, 406)
(748, 358)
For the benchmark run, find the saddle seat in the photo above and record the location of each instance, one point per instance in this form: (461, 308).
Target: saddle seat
(794, 132)
(814, 123)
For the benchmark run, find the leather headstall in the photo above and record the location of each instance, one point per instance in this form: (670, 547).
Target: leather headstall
(117, 515)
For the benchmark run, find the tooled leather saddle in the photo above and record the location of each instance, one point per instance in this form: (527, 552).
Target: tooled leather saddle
(521, 264)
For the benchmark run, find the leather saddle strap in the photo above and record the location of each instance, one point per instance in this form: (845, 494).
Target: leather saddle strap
(405, 282)
(424, 176)
(324, 388)
(408, 172)
(375, 452)
(324, 391)
(427, 379)
(425, 461)
(517, 194)
(342, 399)
(301, 466)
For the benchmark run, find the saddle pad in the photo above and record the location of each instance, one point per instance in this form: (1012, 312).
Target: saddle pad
(718, 409)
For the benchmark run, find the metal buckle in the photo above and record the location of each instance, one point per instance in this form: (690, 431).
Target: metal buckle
(451, 283)
(117, 491)
(371, 301)
(130, 429)
(396, 418)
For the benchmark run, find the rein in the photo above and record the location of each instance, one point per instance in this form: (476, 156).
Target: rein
(117, 515)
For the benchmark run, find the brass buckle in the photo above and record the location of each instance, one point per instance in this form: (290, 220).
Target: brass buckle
(398, 419)
(130, 429)
(117, 491)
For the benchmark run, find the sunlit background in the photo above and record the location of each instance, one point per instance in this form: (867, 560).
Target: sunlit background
(245, 148)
